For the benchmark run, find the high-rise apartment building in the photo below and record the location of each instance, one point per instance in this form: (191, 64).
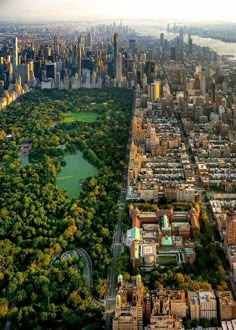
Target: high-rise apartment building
(119, 67)
(80, 50)
(115, 52)
(231, 230)
(15, 53)
(155, 91)
(129, 305)
(51, 70)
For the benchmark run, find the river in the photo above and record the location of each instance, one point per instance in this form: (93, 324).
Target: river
(220, 47)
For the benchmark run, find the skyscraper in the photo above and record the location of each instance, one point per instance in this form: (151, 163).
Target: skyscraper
(75, 55)
(173, 53)
(119, 67)
(132, 44)
(213, 91)
(51, 70)
(181, 38)
(15, 53)
(162, 41)
(155, 90)
(90, 39)
(190, 44)
(55, 47)
(115, 52)
(80, 49)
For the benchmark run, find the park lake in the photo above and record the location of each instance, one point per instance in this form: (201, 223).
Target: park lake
(76, 169)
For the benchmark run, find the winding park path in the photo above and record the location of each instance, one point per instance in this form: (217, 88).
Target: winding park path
(88, 274)
(88, 269)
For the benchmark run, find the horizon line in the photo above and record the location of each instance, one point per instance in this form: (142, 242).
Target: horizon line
(91, 18)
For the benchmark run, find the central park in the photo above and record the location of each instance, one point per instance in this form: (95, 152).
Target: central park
(79, 135)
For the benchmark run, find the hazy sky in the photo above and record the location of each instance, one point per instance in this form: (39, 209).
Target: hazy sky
(169, 9)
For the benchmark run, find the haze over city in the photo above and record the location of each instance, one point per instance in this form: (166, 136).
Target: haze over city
(117, 165)
(111, 9)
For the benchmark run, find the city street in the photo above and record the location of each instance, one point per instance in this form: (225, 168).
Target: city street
(117, 243)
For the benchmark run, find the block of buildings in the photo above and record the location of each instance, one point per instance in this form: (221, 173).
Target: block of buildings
(129, 305)
(202, 304)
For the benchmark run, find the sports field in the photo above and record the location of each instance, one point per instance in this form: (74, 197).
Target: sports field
(70, 117)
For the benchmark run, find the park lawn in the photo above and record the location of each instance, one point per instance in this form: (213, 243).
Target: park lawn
(86, 116)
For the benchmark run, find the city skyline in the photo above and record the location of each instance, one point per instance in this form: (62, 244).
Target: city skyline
(111, 9)
(117, 158)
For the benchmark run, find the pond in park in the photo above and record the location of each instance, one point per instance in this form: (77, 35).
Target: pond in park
(76, 168)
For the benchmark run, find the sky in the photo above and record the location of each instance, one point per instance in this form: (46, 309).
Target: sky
(126, 9)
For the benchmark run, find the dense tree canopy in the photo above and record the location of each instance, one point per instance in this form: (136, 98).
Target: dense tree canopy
(38, 221)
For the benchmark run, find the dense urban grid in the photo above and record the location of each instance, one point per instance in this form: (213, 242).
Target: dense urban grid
(150, 242)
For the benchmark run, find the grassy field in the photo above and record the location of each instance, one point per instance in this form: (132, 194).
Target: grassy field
(70, 117)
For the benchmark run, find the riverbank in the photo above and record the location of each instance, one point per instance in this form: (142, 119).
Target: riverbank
(220, 47)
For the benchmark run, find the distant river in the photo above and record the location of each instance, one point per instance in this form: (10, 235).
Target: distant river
(222, 48)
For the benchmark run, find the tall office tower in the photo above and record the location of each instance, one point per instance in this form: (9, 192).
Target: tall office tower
(173, 53)
(115, 51)
(213, 91)
(197, 83)
(79, 55)
(139, 78)
(15, 53)
(81, 43)
(149, 67)
(190, 44)
(37, 68)
(51, 70)
(23, 71)
(119, 67)
(162, 41)
(74, 55)
(10, 71)
(47, 52)
(55, 47)
(132, 44)
(32, 47)
(202, 77)
(1, 88)
(155, 91)
(181, 38)
(90, 39)
(79, 61)
(28, 72)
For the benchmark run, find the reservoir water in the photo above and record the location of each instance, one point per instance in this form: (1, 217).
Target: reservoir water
(76, 168)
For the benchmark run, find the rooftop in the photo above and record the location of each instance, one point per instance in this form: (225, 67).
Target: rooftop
(167, 241)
